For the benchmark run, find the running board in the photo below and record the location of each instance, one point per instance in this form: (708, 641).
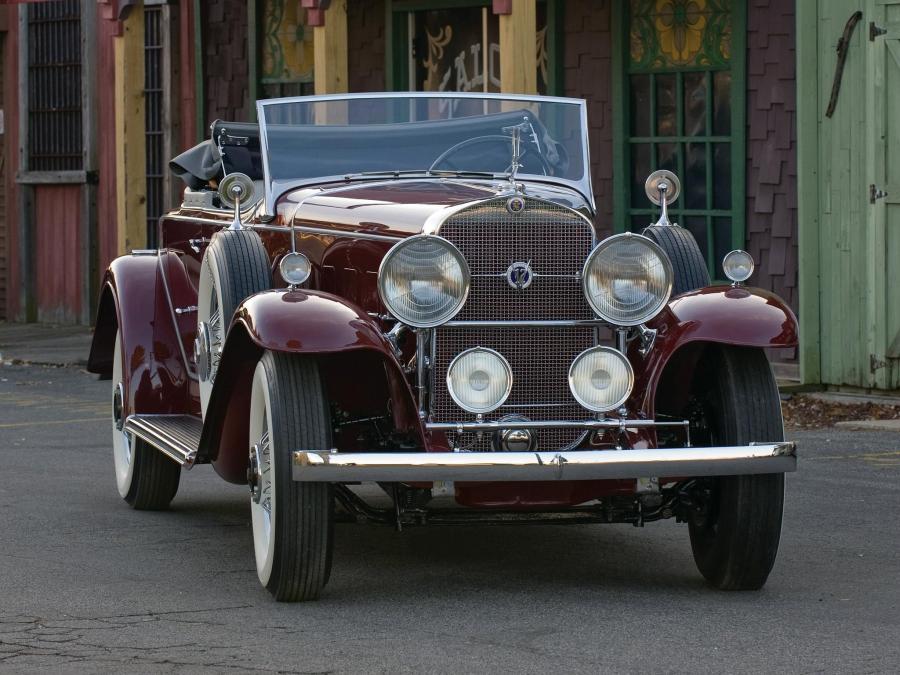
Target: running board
(176, 436)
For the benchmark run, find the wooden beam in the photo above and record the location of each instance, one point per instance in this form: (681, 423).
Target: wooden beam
(808, 251)
(131, 185)
(330, 49)
(518, 48)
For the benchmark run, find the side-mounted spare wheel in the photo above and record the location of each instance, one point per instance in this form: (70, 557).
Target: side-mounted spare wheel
(234, 267)
(735, 539)
(146, 478)
(293, 528)
(688, 262)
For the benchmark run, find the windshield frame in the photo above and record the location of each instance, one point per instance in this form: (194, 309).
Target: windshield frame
(583, 187)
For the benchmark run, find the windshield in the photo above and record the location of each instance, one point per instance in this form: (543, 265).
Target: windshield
(317, 137)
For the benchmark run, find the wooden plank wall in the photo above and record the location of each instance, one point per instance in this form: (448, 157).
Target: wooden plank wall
(107, 214)
(11, 140)
(4, 252)
(57, 216)
(772, 150)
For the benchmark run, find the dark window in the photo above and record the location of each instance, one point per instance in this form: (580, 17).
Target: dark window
(54, 86)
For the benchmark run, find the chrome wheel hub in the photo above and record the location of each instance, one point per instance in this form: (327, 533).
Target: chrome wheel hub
(118, 406)
(254, 475)
(203, 351)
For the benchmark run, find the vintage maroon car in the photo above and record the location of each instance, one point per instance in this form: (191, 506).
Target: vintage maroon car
(406, 294)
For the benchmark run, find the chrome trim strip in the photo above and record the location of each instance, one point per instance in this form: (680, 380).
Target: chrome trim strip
(325, 466)
(167, 434)
(347, 233)
(496, 425)
(287, 229)
(599, 323)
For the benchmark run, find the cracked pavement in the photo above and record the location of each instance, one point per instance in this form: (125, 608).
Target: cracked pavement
(89, 585)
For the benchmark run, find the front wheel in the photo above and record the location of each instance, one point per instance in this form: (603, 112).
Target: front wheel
(736, 539)
(293, 529)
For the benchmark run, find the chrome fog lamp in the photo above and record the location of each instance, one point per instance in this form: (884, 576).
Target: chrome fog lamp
(738, 266)
(479, 380)
(423, 281)
(601, 379)
(295, 268)
(627, 279)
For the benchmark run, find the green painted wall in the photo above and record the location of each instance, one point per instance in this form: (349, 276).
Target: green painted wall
(849, 246)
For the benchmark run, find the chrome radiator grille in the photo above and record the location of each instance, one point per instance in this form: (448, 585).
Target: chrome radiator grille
(554, 240)
(540, 360)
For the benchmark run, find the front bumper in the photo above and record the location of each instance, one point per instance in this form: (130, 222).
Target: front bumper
(410, 467)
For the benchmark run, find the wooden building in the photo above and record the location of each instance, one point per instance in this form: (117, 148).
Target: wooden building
(708, 88)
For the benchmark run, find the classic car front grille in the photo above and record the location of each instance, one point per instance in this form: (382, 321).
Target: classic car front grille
(554, 240)
(539, 357)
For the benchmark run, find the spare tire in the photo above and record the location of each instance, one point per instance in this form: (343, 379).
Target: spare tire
(688, 261)
(234, 267)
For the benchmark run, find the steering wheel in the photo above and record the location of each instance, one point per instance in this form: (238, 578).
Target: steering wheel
(528, 151)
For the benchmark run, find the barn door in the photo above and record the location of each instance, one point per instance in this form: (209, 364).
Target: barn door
(882, 31)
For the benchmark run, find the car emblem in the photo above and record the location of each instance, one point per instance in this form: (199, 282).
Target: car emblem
(519, 275)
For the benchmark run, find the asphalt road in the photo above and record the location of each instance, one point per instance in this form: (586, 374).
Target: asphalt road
(87, 584)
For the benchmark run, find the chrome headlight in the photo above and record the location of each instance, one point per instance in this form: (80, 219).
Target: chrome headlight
(423, 281)
(601, 379)
(479, 380)
(627, 279)
(738, 266)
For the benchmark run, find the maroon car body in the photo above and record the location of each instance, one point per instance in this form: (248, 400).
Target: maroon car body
(345, 227)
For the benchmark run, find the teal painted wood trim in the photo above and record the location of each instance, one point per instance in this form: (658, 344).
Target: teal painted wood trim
(808, 191)
(199, 91)
(621, 113)
(555, 17)
(738, 126)
(252, 56)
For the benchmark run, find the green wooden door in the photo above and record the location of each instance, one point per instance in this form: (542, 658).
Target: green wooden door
(883, 146)
(858, 228)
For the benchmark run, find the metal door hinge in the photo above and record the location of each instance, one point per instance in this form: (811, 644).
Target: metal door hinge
(876, 193)
(875, 31)
(875, 363)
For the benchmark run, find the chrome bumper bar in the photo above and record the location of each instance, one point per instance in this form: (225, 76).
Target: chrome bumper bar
(408, 467)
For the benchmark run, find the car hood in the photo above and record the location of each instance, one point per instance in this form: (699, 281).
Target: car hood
(399, 207)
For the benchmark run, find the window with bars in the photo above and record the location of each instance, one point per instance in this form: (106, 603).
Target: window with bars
(54, 86)
(683, 112)
(154, 102)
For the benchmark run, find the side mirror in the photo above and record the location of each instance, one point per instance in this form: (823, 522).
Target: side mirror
(235, 189)
(662, 188)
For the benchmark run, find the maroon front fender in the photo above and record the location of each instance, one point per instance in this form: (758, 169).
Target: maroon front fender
(745, 317)
(304, 322)
(309, 322)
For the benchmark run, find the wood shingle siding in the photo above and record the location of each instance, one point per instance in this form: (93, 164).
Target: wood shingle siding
(225, 61)
(587, 73)
(772, 149)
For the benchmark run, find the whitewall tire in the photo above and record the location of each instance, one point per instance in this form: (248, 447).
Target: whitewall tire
(146, 478)
(292, 522)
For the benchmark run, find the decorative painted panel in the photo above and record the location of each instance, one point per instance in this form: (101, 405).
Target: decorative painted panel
(286, 46)
(667, 34)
